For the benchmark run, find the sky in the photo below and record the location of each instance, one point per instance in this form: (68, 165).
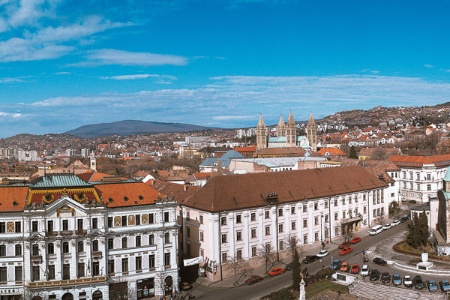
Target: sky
(69, 63)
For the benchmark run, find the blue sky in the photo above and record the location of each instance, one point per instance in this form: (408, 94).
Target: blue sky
(65, 64)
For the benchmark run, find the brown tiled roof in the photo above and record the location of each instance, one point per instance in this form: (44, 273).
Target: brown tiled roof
(234, 192)
(286, 151)
(419, 161)
(179, 191)
(127, 194)
(12, 199)
(332, 151)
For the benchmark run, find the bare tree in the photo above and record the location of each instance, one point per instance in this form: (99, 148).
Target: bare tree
(240, 266)
(267, 253)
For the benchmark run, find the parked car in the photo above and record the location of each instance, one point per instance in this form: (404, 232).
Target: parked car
(345, 244)
(253, 279)
(288, 266)
(445, 285)
(345, 267)
(374, 275)
(385, 278)
(364, 270)
(418, 282)
(276, 271)
(336, 264)
(322, 253)
(407, 281)
(432, 285)
(387, 226)
(375, 230)
(355, 269)
(346, 250)
(310, 258)
(395, 222)
(404, 219)
(185, 286)
(379, 261)
(396, 279)
(355, 240)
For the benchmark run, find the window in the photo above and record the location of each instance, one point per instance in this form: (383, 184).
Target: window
(80, 269)
(305, 239)
(18, 250)
(65, 225)
(224, 238)
(110, 222)
(66, 271)
(3, 275)
(305, 223)
(350, 200)
(124, 243)
(95, 268)
(35, 274)
(418, 186)
(18, 273)
(167, 259)
(188, 215)
(2, 250)
(316, 220)
(343, 215)
(223, 221)
(201, 236)
(238, 235)
(267, 230)
(316, 206)
(34, 226)
(151, 261)
(293, 225)
(254, 253)
(65, 247)
(293, 210)
(343, 201)
(94, 223)
(51, 248)
(267, 214)
(95, 245)
(428, 187)
(35, 250)
(253, 233)
(138, 241)
(280, 228)
(188, 231)
(137, 219)
(268, 248)
(201, 219)
(238, 219)
(428, 176)
(80, 224)
(138, 262)
(124, 220)
(253, 217)
(316, 236)
(280, 245)
(80, 246)
(326, 218)
(111, 266)
(18, 227)
(151, 239)
(166, 216)
(224, 257)
(110, 244)
(239, 254)
(365, 209)
(326, 204)
(335, 202)
(280, 212)
(51, 272)
(124, 265)
(2, 227)
(305, 208)
(151, 218)
(166, 238)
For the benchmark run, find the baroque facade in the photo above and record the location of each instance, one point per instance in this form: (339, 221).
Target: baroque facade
(63, 238)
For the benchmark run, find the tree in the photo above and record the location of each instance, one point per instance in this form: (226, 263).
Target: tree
(240, 266)
(353, 153)
(268, 255)
(296, 266)
(418, 233)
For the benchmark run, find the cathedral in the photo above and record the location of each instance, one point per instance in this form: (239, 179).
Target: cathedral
(286, 135)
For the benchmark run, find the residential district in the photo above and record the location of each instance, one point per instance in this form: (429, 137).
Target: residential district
(146, 217)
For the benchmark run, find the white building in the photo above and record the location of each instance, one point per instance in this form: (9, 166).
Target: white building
(63, 238)
(239, 217)
(24, 155)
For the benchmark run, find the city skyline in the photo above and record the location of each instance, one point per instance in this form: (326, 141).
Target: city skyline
(65, 64)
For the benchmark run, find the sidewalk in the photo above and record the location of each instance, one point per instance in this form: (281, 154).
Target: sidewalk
(309, 249)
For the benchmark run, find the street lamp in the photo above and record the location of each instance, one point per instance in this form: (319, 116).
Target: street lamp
(321, 230)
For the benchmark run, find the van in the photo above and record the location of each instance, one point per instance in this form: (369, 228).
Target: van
(375, 230)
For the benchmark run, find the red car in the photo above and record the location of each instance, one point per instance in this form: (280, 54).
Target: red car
(276, 271)
(345, 267)
(253, 279)
(355, 269)
(345, 251)
(355, 240)
(345, 244)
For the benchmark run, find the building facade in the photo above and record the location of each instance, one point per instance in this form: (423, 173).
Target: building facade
(63, 238)
(243, 217)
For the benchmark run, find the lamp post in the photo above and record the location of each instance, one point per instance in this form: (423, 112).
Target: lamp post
(321, 230)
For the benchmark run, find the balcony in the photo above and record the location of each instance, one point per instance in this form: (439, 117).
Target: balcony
(66, 232)
(51, 233)
(36, 258)
(56, 283)
(97, 254)
(81, 231)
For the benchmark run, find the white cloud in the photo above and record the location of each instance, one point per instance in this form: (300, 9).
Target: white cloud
(428, 66)
(9, 80)
(4, 115)
(139, 76)
(118, 57)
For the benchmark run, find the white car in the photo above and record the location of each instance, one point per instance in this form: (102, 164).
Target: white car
(322, 253)
(387, 226)
(364, 270)
(395, 222)
(407, 281)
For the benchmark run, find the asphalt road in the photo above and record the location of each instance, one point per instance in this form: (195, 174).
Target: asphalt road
(270, 284)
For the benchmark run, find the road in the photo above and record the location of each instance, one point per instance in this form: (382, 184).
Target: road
(270, 284)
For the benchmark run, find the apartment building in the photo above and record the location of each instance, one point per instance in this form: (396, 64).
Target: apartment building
(63, 238)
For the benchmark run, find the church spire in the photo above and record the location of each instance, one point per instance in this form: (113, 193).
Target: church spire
(261, 134)
(311, 132)
(280, 127)
(291, 131)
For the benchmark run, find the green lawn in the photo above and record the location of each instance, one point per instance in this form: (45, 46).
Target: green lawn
(325, 285)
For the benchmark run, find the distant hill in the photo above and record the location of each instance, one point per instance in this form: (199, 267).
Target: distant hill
(131, 127)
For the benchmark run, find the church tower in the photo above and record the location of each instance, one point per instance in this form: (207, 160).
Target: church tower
(281, 131)
(311, 133)
(93, 162)
(291, 131)
(261, 134)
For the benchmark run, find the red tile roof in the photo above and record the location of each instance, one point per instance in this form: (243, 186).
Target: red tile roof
(419, 161)
(12, 199)
(233, 192)
(127, 194)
